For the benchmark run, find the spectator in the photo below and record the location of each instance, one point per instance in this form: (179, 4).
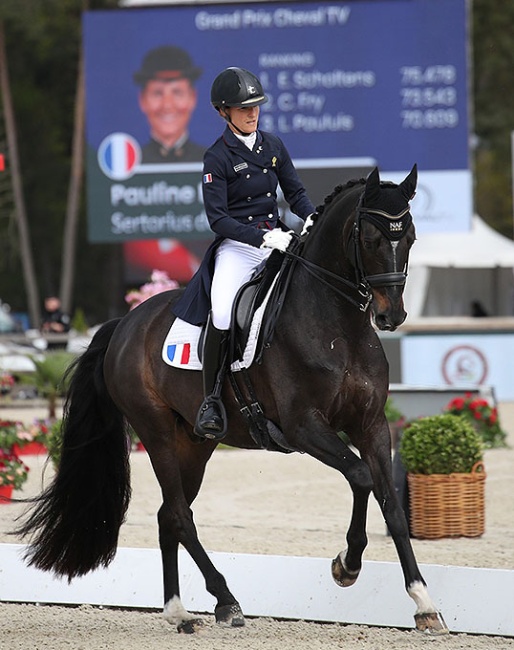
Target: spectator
(55, 321)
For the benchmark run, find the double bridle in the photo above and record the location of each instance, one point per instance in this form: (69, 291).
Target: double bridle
(393, 227)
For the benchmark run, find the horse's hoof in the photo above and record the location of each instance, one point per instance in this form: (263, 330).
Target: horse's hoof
(230, 615)
(343, 576)
(190, 626)
(431, 623)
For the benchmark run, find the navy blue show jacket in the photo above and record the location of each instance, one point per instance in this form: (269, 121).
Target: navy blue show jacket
(240, 198)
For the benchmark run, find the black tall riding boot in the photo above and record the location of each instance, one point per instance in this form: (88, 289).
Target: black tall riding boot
(211, 421)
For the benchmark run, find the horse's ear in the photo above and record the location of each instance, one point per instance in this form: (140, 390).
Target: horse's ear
(372, 191)
(408, 186)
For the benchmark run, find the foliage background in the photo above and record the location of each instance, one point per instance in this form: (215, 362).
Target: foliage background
(43, 43)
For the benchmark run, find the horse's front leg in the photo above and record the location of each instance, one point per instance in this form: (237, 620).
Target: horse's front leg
(377, 454)
(346, 566)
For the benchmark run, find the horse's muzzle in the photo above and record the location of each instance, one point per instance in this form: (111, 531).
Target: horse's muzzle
(386, 322)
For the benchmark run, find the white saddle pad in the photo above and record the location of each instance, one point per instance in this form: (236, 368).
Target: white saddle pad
(180, 348)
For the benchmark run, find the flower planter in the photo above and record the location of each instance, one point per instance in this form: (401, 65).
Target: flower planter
(447, 505)
(5, 494)
(30, 449)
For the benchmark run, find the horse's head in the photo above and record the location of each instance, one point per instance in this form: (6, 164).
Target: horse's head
(383, 233)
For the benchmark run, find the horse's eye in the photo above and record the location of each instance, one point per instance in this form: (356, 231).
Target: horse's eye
(368, 243)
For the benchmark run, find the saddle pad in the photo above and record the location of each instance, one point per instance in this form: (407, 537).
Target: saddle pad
(180, 348)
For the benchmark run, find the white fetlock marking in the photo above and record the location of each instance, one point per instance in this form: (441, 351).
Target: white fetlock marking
(175, 613)
(419, 593)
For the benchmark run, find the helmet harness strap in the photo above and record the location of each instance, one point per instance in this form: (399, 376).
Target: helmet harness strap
(227, 118)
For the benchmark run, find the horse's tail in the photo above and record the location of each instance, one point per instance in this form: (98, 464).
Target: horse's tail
(73, 525)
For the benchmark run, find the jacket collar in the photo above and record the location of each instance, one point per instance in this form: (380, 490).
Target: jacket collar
(234, 143)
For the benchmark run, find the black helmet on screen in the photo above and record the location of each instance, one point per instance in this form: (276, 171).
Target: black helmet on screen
(237, 87)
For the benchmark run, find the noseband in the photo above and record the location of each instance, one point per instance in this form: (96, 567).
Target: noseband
(394, 227)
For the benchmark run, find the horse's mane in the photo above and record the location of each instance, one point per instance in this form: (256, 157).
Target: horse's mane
(336, 192)
(342, 188)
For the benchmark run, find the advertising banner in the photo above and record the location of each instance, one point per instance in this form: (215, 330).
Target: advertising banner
(351, 85)
(460, 360)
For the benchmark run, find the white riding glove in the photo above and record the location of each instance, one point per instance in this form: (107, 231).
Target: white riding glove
(277, 239)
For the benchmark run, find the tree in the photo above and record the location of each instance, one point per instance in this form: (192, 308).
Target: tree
(493, 62)
(19, 202)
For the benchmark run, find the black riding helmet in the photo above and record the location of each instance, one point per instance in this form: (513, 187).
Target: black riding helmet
(237, 87)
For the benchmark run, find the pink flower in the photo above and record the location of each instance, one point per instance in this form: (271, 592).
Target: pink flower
(159, 282)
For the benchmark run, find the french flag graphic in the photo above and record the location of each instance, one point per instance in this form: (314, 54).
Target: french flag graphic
(180, 352)
(207, 178)
(118, 155)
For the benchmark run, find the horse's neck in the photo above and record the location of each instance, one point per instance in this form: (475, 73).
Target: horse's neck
(327, 243)
(326, 247)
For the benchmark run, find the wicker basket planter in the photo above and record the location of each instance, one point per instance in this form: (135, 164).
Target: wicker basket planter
(447, 505)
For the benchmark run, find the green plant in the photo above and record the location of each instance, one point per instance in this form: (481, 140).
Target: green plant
(49, 377)
(79, 323)
(54, 442)
(13, 471)
(393, 413)
(440, 444)
(482, 416)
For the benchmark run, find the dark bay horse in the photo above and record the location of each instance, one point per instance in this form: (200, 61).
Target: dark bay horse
(324, 372)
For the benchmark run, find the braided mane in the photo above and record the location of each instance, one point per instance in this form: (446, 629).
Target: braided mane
(337, 190)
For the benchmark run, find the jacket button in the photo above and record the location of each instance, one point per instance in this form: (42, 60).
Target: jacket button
(247, 175)
(270, 215)
(268, 194)
(249, 198)
(250, 218)
(264, 171)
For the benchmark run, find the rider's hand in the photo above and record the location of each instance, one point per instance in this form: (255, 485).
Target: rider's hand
(277, 239)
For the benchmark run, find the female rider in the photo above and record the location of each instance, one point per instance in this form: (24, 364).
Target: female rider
(240, 176)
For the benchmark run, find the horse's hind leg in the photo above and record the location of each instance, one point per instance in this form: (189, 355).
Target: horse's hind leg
(179, 465)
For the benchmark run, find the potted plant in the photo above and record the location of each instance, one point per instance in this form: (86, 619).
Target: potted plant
(482, 415)
(6, 383)
(32, 439)
(9, 430)
(13, 474)
(442, 455)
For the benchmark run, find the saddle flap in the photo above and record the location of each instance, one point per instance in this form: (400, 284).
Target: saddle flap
(248, 300)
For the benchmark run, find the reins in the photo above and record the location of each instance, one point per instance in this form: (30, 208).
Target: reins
(318, 272)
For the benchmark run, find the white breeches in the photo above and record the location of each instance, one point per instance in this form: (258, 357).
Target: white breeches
(234, 265)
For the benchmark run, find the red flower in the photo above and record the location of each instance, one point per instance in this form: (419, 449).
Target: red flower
(457, 403)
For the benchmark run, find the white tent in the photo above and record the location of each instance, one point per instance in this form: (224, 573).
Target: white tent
(448, 272)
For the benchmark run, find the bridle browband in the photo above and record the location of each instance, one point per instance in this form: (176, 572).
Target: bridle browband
(394, 227)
